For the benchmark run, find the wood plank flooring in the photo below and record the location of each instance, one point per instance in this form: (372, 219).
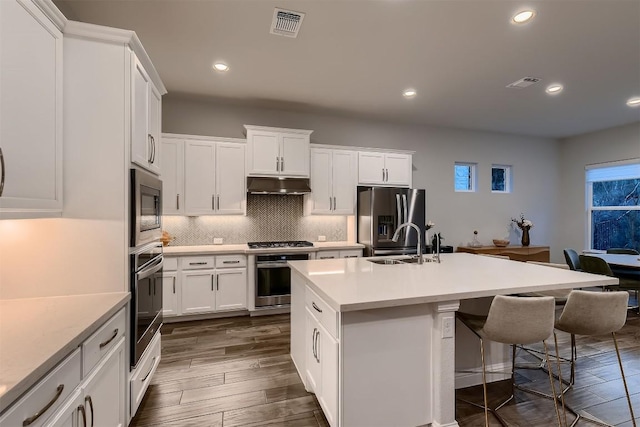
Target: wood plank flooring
(237, 372)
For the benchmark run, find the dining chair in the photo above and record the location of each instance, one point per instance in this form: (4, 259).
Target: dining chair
(572, 259)
(515, 321)
(596, 265)
(622, 251)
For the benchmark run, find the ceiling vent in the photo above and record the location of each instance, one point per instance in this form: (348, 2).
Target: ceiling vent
(524, 82)
(286, 23)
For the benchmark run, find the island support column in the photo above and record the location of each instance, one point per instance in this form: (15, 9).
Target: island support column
(444, 359)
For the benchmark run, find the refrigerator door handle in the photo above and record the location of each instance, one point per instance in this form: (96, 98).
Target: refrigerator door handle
(405, 208)
(399, 214)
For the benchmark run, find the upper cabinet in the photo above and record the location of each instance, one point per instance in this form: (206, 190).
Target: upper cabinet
(146, 104)
(333, 181)
(384, 168)
(277, 152)
(30, 112)
(203, 175)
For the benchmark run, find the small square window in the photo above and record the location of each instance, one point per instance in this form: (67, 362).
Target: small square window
(465, 177)
(500, 179)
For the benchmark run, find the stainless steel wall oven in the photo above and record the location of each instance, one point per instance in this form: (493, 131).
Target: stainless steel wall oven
(146, 208)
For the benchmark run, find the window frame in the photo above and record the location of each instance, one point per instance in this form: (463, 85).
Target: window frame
(589, 208)
(507, 178)
(473, 176)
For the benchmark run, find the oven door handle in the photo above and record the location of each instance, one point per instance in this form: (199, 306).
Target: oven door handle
(271, 265)
(149, 271)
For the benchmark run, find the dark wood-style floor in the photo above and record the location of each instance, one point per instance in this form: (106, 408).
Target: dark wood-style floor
(237, 372)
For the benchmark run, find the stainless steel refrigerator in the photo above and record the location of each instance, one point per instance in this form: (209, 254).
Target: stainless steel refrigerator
(381, 210)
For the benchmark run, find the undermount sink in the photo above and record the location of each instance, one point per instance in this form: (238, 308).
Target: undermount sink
(396, 261)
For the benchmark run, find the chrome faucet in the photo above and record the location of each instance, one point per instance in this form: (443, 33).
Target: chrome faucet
(396, 235)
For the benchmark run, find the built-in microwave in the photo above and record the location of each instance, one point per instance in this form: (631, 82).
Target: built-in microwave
(146, 208)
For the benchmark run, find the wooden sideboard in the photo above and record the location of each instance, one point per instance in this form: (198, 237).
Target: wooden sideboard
(517, 253)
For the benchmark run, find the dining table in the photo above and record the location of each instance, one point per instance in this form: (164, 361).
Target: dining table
(621, 261)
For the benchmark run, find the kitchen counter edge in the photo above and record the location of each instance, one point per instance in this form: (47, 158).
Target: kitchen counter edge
(244, 249)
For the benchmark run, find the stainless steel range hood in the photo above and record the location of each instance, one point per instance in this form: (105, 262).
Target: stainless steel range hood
(263, 185)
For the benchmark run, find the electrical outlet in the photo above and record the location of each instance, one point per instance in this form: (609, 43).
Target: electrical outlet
(447, 327)
(322, 238)
(217, 240)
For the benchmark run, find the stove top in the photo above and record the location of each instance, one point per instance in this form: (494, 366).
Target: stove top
(286, 244)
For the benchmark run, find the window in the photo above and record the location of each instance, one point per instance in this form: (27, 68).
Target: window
(613, 205)
(500, 179)
(464, 177)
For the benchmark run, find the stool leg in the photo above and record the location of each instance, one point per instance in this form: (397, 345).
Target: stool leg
(564, 409)
(553, 387)
(624, 380)
(484, 385)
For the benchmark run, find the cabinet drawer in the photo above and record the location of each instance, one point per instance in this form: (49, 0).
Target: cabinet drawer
(143, 374)
(327, 254)
(103, 340)
(170, 264)
(223, 261)
(197, 262)
(321, 310)
(351, 253)
(47, 395)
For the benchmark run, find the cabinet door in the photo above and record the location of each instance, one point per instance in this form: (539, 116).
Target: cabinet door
(230, 179)
(263, 157)
(69, 415)
(328, 397)
(104, 390)
(321, 195)
(172, 174)
(154, 120)
(398, 169)
(141, 145)
(371, 168)
(328, 255)
(231, 289)
(199, 177)
(30, 112)
(294, 154)
(344, 182)
(198, 292)
(170, 292)
(312, 360)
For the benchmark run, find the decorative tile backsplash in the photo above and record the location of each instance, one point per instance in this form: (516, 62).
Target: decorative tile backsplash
(269, 217)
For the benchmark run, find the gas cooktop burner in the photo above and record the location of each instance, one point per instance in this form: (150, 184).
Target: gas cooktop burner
(289, 244)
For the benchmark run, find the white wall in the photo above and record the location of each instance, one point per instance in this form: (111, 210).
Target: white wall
(609, 145)
(534, 160)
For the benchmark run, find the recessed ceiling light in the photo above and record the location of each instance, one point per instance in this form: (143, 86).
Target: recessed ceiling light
(554, 89)
(409, 93)
(634, 102)
(524, 16)
(220, 66)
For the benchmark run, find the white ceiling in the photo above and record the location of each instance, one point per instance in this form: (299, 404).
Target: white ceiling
(356, 57)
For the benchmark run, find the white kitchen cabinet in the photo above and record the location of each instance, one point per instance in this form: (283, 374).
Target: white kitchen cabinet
(231, 289)
(70, 414)
(382, 168)
(145, 120)
(327, 254)
(277, 152)
(143, 373)
(333, 254)
(214, 177)
(172, 175)
(30, 112)
(312, 361)
(328, 355)
(198, 291)
(333, 181)
(170, 294)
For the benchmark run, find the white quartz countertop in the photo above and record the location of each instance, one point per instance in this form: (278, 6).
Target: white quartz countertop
(37, 333)
(244, 249)
(356, 284)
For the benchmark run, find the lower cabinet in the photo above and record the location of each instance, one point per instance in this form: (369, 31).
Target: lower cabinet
(344, 253)
(204, 284)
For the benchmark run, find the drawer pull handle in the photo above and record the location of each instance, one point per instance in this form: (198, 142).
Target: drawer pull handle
(88, 399)
(197, 263)
(38, 414)
(106, 343)
(84, 415)
(231, 262)
(313, 304)
(153, 362)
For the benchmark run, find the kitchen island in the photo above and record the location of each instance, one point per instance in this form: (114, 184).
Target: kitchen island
(376, 343)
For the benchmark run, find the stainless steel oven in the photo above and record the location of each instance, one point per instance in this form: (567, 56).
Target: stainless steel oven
(273, 278)
(146, 208)
(146, 297)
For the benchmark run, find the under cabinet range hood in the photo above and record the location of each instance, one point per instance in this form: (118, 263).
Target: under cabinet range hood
(264, 185)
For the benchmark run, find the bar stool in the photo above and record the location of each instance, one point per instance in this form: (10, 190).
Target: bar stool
(512, 320)
(594, 313)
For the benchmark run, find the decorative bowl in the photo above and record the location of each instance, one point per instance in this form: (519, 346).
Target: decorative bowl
(501, 243)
